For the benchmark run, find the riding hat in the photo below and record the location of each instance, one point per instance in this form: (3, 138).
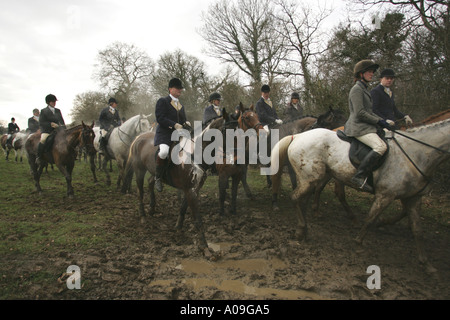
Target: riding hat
(50, 98)
(175, 83)
(265, 88)
(363, 66)
(215, 96)
(111, 101)
(387, 73)
(295, 95)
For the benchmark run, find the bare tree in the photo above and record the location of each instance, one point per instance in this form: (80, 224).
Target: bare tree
(242, 33)
(120, 69)
(87, 106)
(300, 29)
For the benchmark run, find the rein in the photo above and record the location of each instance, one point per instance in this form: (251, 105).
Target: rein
(130, 136)
(428, 180)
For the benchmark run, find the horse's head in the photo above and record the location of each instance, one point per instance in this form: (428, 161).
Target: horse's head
(249, 119)
(87, 137)
(144, 124)
(331, 119)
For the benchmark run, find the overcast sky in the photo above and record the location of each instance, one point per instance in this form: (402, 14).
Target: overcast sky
(50, 46)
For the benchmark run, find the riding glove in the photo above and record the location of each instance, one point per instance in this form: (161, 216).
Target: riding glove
(408, 120)
(383, 123)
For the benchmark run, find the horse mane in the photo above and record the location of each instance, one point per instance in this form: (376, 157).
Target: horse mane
(216, 123)
(71, 130)
(425, 126)
(431, 118)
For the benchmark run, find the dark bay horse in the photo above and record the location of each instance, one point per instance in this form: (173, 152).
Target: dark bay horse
(226, 169)
(63, 152)
(186, 176)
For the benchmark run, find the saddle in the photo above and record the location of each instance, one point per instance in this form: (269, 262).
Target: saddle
(48, 145)
(359, 150)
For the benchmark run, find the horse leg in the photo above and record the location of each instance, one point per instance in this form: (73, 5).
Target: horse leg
(247, 190)
(234, 190)
(151, 186)
(300, 205)
(104, 168)
(140, 174)
(35, 172)
(292, 176)
(67, 173)
(339, 191)
(381, 202)
(192, 201)
(223, 181)
(182, 214)
(412, 207)
(92, 164)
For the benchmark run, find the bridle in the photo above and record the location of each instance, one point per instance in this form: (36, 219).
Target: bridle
(138, 125)
(245, 121)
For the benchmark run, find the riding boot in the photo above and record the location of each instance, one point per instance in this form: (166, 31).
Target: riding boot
(40, 151)
(102, 147)
(160, 164)
(364, 169)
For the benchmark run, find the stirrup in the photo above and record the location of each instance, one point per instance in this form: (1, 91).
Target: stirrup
(364, 186)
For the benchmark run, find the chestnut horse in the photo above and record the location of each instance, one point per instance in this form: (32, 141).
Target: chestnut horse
(248, 119)
(63, 152)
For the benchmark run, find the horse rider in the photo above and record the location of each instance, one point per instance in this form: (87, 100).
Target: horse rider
(293, 110)
(266, 113)
(13, 128)
(363, 123)
(49, 120)
(33, 122)
(109, 119)
(213, 111)
(170, 116)
(265, 110)
(383, 100)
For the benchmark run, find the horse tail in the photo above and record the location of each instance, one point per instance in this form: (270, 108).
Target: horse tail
(279, 156)
(129, 166)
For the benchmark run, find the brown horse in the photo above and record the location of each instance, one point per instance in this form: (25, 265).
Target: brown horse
(63, 152)
(248, 119)
(339, 188)
(6, 146)
(186, 176)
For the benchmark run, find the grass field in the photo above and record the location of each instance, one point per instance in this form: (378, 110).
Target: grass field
(34, 225)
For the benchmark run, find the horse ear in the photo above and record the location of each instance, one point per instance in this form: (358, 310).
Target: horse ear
(82, 122)
(252, 108)
(93, 123)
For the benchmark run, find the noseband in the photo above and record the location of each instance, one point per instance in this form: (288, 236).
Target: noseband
(247, 125)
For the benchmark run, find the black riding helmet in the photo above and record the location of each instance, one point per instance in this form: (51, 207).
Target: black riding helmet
(50, 98)
(215, 96)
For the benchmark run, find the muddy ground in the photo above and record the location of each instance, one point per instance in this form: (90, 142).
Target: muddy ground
(258, 257)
